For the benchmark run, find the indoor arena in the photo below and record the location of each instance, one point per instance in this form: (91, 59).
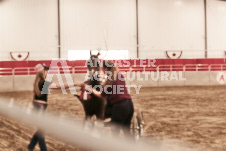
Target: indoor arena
(107, 75)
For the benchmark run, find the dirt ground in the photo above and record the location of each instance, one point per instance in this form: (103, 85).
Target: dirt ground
(191, 116)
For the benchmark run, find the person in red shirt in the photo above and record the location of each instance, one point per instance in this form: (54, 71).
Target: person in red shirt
(118, 97)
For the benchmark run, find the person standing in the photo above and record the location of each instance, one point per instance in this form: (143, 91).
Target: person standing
(114, 89)
(40, 93)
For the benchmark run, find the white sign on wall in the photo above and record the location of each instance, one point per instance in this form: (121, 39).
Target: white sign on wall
(104, 54)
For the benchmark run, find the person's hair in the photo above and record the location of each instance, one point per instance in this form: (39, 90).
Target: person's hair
(39, 76)
(113, 69)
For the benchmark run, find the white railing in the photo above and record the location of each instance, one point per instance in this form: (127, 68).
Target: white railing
(6, 71)
(83, 69)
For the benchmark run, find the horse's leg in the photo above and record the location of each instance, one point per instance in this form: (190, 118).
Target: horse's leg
(140, 121)
(83, 104)
(100, 114)
(89, 122)
(100, 109)
(135, 127)
(94, 120)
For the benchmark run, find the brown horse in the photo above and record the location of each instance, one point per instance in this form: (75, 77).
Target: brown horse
(96, 106)
(92, 104)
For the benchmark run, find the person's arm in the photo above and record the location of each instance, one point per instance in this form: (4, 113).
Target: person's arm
(58, 86)
(93, 91)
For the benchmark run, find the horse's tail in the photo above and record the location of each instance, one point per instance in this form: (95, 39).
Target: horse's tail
(76, 95)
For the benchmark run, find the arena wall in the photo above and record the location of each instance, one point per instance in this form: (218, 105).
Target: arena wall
(7, 83)
(214, 78)
(19, 75)
(102, 25)
(32, 26)
(193, 78)
(197, 78)
(23, 82)
(163, 27)
(29, 25)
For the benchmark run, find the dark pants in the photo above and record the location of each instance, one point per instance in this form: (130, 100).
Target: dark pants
(121, 116)
(39, 136)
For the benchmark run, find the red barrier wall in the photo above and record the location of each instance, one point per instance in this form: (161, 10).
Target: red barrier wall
(16, 64)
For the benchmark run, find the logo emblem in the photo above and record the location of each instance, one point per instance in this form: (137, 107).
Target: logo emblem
(221, 77)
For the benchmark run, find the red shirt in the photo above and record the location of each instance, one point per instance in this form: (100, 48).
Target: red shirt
(117, 91)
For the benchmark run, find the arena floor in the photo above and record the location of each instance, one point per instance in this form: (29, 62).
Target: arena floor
(194, 117)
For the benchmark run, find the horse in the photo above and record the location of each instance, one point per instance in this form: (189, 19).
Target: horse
(96, 106)
(92, 104)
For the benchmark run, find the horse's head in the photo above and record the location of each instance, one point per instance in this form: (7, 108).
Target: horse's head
(93, 65)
